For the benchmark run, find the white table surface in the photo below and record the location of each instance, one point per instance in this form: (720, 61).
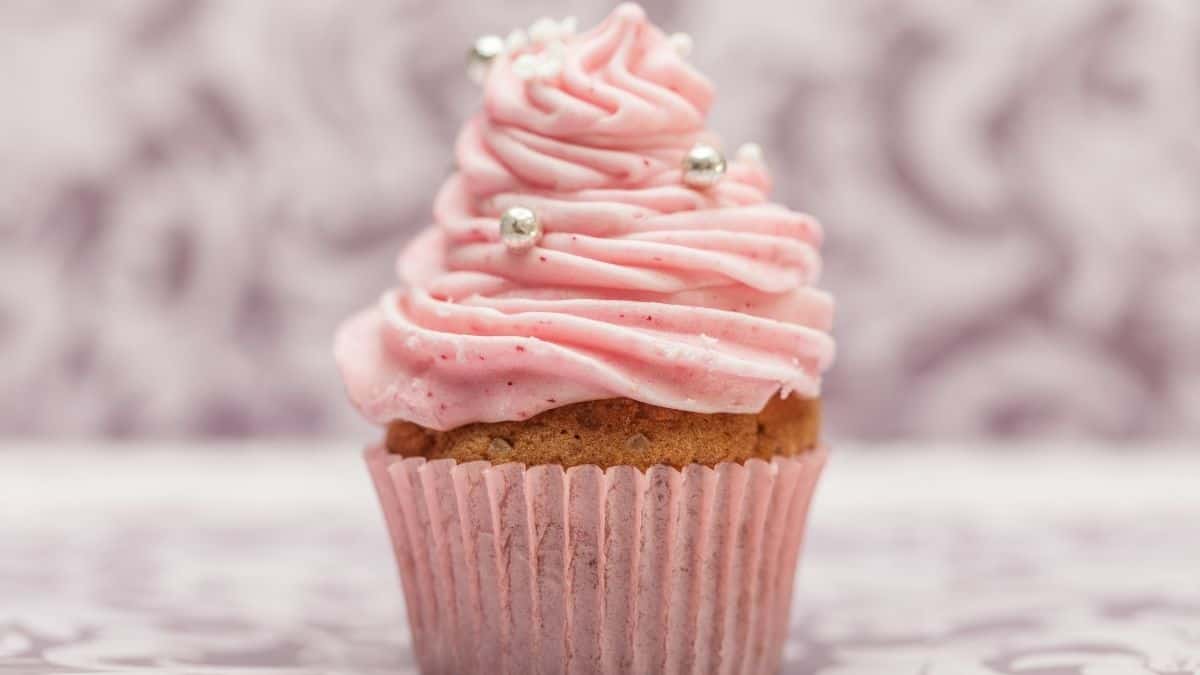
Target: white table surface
(271, 559)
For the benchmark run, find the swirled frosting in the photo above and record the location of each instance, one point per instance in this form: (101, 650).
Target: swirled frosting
(641, 287)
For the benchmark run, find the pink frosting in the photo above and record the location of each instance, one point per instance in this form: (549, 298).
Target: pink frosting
(642, 287)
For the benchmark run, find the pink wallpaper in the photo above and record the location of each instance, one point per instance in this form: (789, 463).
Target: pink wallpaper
(193, 193)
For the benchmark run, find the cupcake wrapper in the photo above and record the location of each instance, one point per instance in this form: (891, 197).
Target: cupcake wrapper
(508, 569)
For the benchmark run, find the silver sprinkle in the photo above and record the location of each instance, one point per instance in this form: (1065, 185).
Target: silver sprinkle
(703, 166)
(682, 42)
(483, 52)
(520, 229)
(751, 152)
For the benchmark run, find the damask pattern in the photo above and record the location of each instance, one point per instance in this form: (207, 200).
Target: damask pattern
(195, 192)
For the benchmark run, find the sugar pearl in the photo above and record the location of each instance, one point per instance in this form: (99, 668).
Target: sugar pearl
(520, 229)
(682, 42)
(516, 39)
(483, 52)
(750, 152)
(548, 68)
(703, 166)
(525, 67)
(543, 30)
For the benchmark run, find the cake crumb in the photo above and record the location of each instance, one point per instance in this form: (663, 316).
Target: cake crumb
(638, 443)
(498, 447)
(621, 432)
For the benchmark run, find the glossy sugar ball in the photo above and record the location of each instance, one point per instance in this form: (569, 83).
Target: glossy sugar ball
(483, 52)
(703, 166)
(520, 229)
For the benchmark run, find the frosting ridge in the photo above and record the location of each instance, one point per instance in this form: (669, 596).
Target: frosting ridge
(641, 287)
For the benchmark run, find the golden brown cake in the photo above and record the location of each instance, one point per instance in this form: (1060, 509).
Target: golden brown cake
(621, 431)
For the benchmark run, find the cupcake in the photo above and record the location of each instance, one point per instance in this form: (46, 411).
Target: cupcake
(599, 377)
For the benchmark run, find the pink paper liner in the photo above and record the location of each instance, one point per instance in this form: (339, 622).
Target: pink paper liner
(508, 569)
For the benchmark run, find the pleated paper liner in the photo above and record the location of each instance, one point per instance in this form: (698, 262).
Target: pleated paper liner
(508, 569)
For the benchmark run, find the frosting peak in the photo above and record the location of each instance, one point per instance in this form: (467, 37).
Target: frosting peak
(622, 83)
(619, 104)
(641, 286)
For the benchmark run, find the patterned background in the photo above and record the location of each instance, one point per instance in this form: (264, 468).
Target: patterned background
(193, 193)
(916, 563)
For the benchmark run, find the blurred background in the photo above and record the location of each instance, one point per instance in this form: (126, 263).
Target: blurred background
(194, 192)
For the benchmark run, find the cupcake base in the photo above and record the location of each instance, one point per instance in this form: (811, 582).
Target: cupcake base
(515, 569)
(622, 432)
